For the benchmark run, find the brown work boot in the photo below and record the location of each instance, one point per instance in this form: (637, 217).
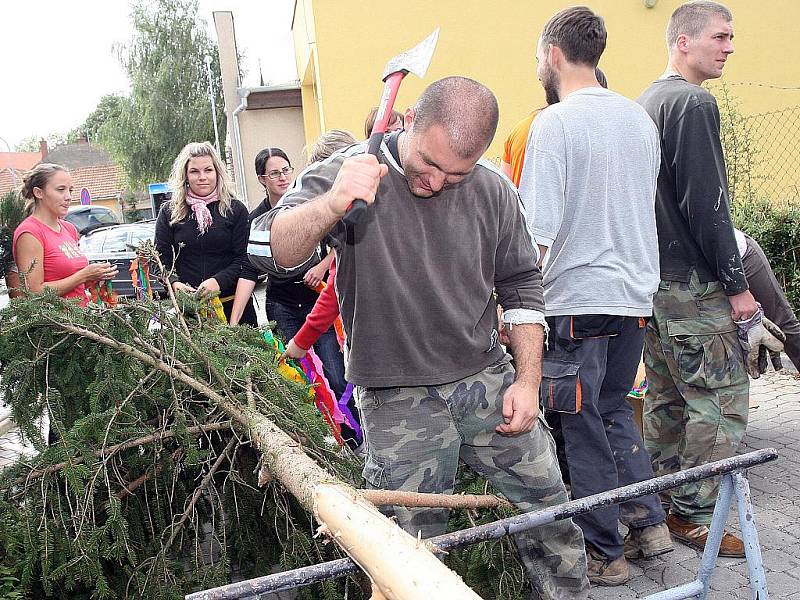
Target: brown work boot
(603, 571)
(696, 534)
(647, 542)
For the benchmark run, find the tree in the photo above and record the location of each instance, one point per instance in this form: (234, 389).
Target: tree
(169, 103)
(31, 143)
(108, 110)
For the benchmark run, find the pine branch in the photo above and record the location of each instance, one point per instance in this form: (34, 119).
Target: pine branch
(176, 528)
(112, 450)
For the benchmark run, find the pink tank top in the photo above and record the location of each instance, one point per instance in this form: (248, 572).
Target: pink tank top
(62, 255)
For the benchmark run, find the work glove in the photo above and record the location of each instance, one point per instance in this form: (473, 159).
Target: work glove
(760, 339)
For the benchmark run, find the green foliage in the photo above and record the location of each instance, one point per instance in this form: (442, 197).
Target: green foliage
(773, 222)
(31, 143)
(100, 527)
(169, 104)
(776, 228)
(107, 111)
(12, 212)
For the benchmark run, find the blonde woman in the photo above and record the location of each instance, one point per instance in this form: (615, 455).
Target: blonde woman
(45, 246)
(201, 233)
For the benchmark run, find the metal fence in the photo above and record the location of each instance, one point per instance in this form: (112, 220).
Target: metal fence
(774, 155)
(733, 485)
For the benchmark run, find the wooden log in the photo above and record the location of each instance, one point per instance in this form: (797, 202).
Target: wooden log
(401, 567)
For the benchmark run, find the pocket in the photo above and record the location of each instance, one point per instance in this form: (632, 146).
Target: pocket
(706, 351)
(560, 389)
(375, 472)
(582, 327)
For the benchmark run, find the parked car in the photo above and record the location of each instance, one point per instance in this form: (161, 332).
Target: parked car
(87, 217)
(116, 244)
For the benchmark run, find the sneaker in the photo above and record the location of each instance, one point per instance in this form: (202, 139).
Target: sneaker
(696, 534)
(603, 571)
(647, 542)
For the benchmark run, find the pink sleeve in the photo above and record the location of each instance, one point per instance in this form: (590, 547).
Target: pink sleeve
(322, 316)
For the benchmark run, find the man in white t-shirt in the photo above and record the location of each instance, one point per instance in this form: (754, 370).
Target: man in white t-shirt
(588, 186)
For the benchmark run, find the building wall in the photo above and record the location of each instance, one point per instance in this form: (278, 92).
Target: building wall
(273, 127)
(495, 44)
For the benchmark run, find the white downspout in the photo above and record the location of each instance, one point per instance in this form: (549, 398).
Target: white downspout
(240, 180)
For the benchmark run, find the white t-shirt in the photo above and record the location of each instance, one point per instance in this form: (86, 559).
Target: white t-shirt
(588, 186)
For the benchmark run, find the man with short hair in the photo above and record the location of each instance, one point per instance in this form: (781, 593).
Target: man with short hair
(696, 406)
(588, 186)
(416, 282)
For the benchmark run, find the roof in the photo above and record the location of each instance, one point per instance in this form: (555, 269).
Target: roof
(19, 160)
(78, 155)
(105, 181)
(10, 179)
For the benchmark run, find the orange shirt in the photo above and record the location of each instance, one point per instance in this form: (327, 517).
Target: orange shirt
(517, 140)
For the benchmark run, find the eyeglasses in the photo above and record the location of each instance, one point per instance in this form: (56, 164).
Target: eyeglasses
(285, 171)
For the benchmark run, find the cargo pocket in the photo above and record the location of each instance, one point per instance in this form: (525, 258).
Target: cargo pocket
(561, 386)
(375, 473)
(706, 351)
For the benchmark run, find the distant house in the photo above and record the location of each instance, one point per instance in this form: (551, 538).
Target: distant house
(14, 165)
(92, 168)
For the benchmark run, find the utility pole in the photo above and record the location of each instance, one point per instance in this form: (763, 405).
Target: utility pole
(213, 103)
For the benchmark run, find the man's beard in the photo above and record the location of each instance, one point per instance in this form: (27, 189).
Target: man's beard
(550, 85)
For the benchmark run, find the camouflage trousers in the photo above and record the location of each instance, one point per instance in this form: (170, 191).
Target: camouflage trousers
(415, 437)
(695, 410)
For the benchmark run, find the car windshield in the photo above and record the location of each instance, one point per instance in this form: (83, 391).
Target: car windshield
(116, 239)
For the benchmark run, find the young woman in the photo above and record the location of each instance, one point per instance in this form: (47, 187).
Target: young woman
(45, 246)
(201, 233)
(274, 172)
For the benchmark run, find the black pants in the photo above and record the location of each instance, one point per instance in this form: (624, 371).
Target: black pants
(587, 373)
(767, 291)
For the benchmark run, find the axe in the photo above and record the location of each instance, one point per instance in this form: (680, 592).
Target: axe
(415, 60)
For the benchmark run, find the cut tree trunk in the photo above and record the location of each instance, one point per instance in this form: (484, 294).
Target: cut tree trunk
(371, 539)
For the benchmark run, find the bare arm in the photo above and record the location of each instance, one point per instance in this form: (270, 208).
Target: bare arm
(30, 257)
(244, 289)
(295, 233)
(316, 274)
(521, 399)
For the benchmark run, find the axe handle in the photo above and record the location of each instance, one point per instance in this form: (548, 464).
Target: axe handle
(358, 208)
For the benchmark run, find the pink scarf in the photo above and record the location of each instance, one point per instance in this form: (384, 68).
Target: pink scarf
(199, 206)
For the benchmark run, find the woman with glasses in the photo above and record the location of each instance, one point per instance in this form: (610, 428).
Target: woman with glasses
(201, 233)
(290, 300)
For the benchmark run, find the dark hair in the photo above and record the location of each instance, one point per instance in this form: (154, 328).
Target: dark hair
(466, 109)
(691, 18)
(579, 33)
(601, 77)
(370, 122)
(267, 153)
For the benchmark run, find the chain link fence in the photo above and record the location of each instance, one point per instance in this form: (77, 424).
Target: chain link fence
(775, 165)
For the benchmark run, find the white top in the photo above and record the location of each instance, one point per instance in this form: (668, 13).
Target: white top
(588, 186)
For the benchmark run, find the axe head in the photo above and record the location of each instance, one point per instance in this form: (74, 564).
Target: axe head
(415, 60)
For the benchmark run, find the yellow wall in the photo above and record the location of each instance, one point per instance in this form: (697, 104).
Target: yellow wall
(494, 43)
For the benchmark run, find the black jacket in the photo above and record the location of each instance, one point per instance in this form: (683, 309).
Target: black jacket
(219, 253)
(692, 209)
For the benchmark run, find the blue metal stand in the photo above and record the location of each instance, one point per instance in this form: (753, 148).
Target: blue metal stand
(732, 483)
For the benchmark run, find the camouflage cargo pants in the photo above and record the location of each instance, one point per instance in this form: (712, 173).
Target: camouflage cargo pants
(415, 437)
(695, 410)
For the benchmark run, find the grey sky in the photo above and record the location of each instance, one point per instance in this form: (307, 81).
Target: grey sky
(57, 61)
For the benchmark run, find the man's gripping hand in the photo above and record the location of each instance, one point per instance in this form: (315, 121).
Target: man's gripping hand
(358, 178)
(520, 408)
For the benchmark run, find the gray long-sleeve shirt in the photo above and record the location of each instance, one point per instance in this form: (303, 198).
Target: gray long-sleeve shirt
(692, 208)
(415, 278)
